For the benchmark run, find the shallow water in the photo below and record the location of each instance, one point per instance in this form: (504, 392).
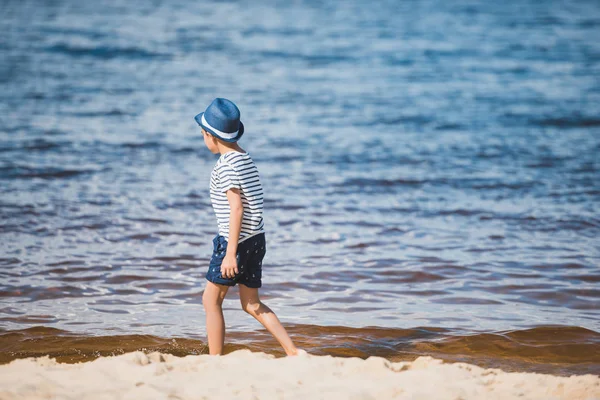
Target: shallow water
(551, 349)
(432, 164)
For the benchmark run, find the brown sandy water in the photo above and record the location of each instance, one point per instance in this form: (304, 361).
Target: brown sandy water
(557, 350)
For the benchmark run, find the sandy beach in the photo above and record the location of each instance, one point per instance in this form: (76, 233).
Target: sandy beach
(247, 375)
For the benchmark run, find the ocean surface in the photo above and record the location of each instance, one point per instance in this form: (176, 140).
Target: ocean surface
(431, 173)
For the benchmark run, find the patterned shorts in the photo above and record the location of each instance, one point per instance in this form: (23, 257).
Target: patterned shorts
(250, 254)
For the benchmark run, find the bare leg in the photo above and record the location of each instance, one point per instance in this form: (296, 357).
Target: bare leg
(263, 314)
(215, 323)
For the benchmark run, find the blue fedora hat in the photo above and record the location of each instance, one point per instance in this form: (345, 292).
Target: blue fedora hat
(222, 120)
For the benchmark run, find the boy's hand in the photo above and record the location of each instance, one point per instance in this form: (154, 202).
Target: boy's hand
(229, 266)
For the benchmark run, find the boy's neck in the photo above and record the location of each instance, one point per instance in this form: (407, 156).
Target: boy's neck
(225, 147)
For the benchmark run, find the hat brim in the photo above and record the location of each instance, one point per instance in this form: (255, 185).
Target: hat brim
(198, 119)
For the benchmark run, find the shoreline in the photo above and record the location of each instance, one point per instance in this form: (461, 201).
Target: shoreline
(556, 350)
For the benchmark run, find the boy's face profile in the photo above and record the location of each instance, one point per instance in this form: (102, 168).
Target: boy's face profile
(210, 141)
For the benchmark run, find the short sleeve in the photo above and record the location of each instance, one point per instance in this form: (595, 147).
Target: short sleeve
(228, 178)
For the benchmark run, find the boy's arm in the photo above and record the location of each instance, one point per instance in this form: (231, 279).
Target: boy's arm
(229, 266)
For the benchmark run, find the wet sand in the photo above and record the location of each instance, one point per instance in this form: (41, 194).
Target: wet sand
(246, 375)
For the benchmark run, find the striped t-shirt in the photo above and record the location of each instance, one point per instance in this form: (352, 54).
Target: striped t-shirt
(237, 170)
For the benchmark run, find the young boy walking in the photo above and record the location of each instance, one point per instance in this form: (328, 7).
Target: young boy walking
(239, 247)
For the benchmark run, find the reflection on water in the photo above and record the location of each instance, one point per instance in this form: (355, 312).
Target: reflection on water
(432, 164)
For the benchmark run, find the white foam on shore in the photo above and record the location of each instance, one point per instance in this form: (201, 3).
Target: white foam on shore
(246, 375)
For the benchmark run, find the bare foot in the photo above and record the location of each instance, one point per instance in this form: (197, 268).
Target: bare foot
(299, 352)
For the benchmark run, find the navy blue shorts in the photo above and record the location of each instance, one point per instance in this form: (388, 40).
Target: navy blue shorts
(250, 254)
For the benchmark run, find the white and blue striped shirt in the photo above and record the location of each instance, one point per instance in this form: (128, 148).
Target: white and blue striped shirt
(237, 170)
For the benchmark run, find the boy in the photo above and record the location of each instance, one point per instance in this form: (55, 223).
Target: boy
(237, 199)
